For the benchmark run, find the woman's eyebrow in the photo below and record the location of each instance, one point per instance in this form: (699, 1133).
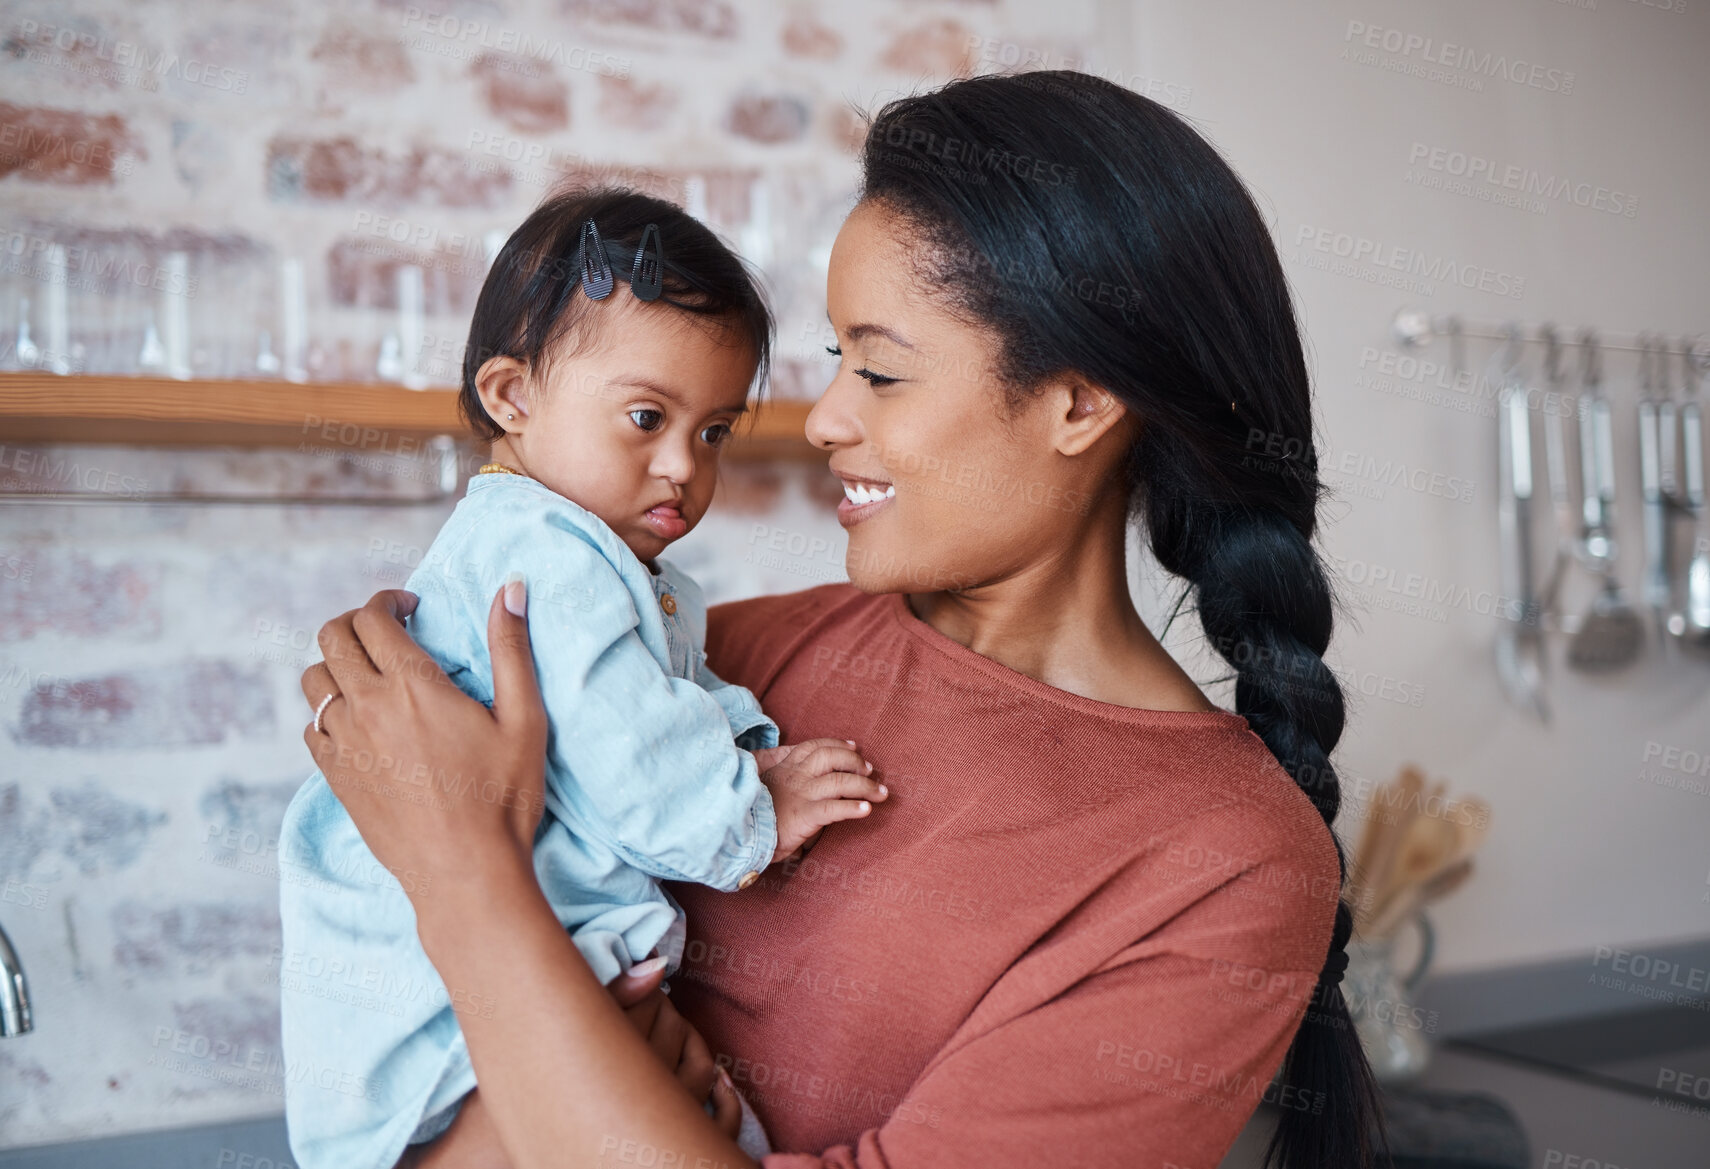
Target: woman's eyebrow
(867, 329)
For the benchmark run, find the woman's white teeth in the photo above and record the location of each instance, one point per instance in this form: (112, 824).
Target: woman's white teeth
(859, 493)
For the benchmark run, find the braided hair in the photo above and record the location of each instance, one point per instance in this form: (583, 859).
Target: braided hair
(1094, 231)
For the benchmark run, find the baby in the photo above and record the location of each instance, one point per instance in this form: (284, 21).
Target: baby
(607, 411)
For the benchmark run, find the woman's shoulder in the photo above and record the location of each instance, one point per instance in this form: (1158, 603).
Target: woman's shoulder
(1261, 855)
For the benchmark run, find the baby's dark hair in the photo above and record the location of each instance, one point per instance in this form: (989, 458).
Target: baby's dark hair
(533, 298)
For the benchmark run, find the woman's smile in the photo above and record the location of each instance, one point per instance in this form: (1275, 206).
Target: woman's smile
(862, 498)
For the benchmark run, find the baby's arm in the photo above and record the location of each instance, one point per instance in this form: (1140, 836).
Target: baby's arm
(638, 758)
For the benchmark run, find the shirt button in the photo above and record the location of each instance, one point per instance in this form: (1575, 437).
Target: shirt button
(747, 880)
(668, 603)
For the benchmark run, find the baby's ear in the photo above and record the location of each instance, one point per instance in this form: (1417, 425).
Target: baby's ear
(502, 385)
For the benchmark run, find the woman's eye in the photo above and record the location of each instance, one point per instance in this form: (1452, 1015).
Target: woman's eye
(871, 378)
(718, 432)
(647, 419)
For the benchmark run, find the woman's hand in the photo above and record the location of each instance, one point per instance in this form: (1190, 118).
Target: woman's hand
(439, 786)
(473, 1143)
(677, 1044)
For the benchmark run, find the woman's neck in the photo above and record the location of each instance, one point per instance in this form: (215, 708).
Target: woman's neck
(1068, 619)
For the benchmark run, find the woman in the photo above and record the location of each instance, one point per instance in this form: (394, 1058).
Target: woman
(1096, 911)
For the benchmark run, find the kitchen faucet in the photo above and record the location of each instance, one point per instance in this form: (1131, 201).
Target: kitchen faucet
(14, 994)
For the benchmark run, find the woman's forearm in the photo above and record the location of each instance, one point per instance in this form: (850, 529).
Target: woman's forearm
(563, 1074)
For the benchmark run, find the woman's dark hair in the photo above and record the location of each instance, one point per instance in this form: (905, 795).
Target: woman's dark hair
(533, 301)
(1093, 231)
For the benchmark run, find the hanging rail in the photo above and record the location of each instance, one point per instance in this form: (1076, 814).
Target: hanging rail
(1415, 328)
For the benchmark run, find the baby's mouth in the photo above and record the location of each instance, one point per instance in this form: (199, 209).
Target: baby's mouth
(667, 520)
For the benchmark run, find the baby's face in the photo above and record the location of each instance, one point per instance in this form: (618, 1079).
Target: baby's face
(631, 425)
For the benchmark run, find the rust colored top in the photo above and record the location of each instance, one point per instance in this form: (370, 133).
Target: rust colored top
(1077, 933)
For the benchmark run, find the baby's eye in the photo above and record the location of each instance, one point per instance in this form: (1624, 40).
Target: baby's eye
(716, 433)
(647, 419)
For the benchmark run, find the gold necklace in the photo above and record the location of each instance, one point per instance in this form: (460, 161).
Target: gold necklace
(498, 469)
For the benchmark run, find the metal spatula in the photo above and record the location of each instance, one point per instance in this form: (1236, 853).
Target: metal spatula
(1519, 639)
(1610, 634)
(1692, 624)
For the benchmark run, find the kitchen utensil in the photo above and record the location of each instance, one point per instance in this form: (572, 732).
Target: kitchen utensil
(1426, 871)
(1556, 475)
(1656, 592)
(1417, 897)
(1392, 808)
(1609, 635)
(1519, 641)
(1429, 843)
(1692, 624)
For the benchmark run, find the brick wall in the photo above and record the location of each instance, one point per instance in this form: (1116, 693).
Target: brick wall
(149, 654)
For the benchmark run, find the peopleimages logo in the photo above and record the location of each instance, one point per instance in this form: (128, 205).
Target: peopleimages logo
(1524, 180)
(1430, 51)
(973, 157)
(141, 62)
(1356, 249)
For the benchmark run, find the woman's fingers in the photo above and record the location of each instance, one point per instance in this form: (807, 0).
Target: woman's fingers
(667, 1036)
(379, 630)
(727, 1106)
(318, 682)
(696, 1070)
(342, 652)
(631, 987)
(670, 1036)
(516, 691)
(644, 1012)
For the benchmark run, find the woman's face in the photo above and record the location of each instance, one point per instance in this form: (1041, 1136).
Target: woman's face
(944, 488)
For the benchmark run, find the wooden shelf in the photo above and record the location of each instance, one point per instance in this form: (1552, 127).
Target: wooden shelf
(38, 407)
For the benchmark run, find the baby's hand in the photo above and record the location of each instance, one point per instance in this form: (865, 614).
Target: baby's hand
(813, 784)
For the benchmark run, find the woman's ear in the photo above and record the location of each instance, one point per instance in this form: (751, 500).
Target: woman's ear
(502, 385)
(1082, 414)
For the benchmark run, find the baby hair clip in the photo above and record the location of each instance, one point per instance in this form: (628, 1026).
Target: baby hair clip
(596, 269)
(647, 279)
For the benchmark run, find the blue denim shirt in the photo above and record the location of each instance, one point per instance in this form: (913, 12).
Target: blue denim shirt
(646, 779)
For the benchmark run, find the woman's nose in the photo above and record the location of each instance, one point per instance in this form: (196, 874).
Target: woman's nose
(831, 423)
